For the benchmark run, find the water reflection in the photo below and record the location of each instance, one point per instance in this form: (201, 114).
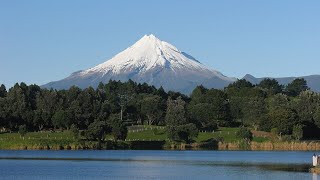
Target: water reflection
(154, 165)
(314, 176)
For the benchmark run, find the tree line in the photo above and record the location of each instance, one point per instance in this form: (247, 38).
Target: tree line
(289, 111)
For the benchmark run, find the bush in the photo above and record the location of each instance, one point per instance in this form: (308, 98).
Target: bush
(75, 131)
(187, 132)
(275, 131)
(297, 132)
(23, 130)
(245, 134)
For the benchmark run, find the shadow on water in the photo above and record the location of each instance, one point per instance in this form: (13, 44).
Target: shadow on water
(265, 166)
(262, 166)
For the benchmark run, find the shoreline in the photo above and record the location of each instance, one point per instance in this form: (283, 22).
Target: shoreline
(162, 145)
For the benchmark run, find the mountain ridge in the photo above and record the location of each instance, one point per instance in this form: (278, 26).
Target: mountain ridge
(313, 81)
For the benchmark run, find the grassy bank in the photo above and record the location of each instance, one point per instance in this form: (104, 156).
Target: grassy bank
(149, 137)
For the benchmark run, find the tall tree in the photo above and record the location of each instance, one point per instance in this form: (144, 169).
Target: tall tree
(296, 87)
(178, 128)
(152, 107)
(119, 130)
(3, 91)
(283, 119)
(271, 85)
(97, 131)
(60, 120)
(241, 83)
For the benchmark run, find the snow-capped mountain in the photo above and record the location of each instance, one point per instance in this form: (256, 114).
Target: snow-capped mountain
(152, 61)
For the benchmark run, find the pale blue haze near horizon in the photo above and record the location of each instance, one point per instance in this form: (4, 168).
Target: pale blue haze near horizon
(43, 41)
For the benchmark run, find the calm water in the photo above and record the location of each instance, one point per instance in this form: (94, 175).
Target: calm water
(155, 165)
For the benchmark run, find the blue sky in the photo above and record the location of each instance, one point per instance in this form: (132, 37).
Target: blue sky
(42, 41)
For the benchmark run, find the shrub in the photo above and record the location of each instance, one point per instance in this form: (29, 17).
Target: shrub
(23, 130)
(297, 132)
(244, 133)
(275, 131)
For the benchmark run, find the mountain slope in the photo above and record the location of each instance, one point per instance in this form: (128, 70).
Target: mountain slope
(152, 61)
(313, 81)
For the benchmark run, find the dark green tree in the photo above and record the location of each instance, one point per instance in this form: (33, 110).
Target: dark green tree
(283, 119)
(97, 131)
(3, 91)
(306, 104)
(296, 87)
(272, 86)
(23, 130)
(297, 131)
(187, 132)
(59, 120)
(152, 108)
(316, 117)
(119, 130)
(241, 83)
(178, 128)
(75, 131)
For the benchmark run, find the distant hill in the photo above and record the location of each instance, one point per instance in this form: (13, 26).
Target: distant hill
(313, 81)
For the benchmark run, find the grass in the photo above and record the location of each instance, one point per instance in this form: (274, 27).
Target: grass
(149, 133)
(36, 140)
(135, 133)
(226, 134)
(40, 135)
(260, 139)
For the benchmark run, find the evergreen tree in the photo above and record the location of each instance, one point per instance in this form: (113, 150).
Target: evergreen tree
(119, 130)
(271, 85)
(178, 128)
(296, 87)
(3, 91)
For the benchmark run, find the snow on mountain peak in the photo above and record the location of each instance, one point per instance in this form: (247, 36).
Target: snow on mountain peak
(148, 53)
(152, 61)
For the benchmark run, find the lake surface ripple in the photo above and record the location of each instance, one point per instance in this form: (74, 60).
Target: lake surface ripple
(156, 165)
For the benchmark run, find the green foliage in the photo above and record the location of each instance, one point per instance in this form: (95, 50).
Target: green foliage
(245, 134)
(97, 131)
(23, 130)
(296, 87)
(241, 83)
(297, 132)
(176, 114)
(187, 132)
(155, 131)
(152, 107)
(275, 131)
(75, 131)
(261, 107)
(3, 91)
(272, 86)
(316, 117)
(119, 130)
(306, 105)
(254, 111)
(247, 103)
(178, 129)
(283, 119)
(209, 108)
(59, 119)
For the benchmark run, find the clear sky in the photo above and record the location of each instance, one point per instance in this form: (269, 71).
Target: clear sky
(42, 40)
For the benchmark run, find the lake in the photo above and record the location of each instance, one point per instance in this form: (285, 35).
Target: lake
(130, 164)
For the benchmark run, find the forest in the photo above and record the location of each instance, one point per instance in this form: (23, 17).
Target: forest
(291, 111)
